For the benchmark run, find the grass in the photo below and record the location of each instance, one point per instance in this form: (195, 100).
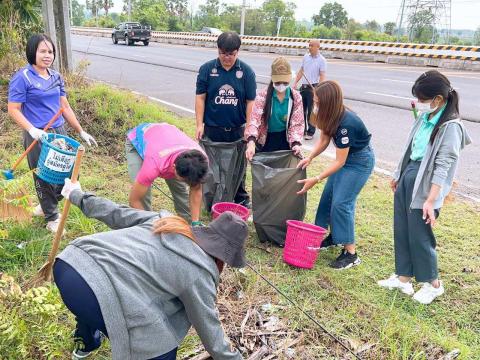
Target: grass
(385, 324)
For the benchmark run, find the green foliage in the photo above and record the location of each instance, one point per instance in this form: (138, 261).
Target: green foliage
(372, 25)
(178, 15)
(101, 21)
(389, 28)
(323, 32)
(331, 14)
(78, 15)
(476, 37)
(18, 21)
(209, 15)
(421, 27)
(30, 323)
(275, 9)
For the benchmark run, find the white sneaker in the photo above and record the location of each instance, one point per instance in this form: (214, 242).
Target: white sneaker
(52, 226)
(428, 293)
(79, 354)
(393, 282)
(37, 211)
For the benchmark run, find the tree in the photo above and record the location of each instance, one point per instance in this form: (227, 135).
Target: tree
(389, 27)
(208, 14)
(331, 14)
(149, 12)
(106, 5)
(421, 26)
(93, 6)
(275, 9)
(476, 37)
(78, 13)
(350, 29)
(178, 14)
(372, 25)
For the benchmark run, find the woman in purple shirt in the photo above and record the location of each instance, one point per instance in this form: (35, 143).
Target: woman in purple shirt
(36, 93)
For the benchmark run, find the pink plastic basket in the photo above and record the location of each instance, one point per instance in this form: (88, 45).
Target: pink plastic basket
(302, 243)
(237, 209)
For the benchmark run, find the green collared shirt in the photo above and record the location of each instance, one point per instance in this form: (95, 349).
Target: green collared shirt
(278, 119)
(422, 136)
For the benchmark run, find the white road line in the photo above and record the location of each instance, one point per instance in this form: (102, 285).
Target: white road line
(388, 95)
(170, 104)
(329, 154)
(186, 63)
(265, 76)
(401, 81)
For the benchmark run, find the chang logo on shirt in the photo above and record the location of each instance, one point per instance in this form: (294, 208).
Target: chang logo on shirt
(226, 96)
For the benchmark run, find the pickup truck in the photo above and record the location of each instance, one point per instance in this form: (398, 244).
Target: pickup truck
(130, 32)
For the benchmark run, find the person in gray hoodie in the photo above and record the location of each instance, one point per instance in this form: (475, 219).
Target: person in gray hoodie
(422, 180)
(147, 281)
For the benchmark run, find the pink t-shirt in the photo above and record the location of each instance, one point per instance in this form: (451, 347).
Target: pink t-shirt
(159, 144)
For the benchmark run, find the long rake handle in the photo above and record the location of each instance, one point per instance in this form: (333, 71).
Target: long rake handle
(66, 209)
(34, 142)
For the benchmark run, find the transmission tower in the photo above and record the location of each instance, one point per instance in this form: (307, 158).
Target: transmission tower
(437, 12)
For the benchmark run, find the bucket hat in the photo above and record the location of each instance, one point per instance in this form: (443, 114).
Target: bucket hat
(224, 238)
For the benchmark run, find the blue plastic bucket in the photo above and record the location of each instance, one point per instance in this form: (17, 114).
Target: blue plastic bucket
(54, 164)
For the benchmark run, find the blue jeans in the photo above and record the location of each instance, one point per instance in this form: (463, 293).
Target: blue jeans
(337, 204)
(80, 299)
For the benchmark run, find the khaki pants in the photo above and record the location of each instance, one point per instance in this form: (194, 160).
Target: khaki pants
(178, 189)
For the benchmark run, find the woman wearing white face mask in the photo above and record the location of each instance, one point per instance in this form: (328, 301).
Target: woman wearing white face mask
(277, 121)
(421, 182)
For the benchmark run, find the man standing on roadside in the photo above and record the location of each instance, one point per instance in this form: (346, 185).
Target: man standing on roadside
(226, 90)
(314, 67)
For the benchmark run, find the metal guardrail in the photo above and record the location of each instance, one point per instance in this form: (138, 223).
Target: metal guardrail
(449, 52)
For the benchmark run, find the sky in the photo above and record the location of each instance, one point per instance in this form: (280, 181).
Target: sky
(465, 13)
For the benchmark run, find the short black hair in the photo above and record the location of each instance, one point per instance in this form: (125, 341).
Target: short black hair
(191, 166)
(32, 46)
(229, 41)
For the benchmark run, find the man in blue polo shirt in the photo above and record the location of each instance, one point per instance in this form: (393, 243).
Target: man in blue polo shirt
(226, 90)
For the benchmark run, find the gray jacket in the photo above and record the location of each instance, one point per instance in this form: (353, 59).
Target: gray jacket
(439, 164)
(150, 288)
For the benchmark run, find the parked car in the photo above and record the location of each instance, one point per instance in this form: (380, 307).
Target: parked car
(211, 30)
(131, 32)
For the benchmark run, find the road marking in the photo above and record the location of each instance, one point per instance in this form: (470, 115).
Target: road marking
(388, 95)
(186, 63)
(170, 104)
(265, 76)
(402, 81)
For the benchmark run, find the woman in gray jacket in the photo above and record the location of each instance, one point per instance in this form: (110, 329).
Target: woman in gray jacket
(421, 182)
(146, 282)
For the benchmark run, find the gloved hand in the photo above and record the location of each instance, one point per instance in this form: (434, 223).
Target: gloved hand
(37, 134)
(297, 151)
(89, 139)
(69, 187)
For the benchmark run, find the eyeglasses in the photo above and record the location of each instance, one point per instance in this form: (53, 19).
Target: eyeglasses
(228, 54)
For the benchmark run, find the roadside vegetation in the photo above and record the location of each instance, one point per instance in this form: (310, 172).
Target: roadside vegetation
(329, 21)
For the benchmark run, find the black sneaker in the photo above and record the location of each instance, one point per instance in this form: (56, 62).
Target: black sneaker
(345, 260)
(327, 243)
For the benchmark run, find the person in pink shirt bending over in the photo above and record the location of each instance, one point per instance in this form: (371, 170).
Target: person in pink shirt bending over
(160, 150)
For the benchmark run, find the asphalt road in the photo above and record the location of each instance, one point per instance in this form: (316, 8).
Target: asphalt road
(379, 93)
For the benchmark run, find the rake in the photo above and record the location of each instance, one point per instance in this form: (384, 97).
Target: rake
(45, 272)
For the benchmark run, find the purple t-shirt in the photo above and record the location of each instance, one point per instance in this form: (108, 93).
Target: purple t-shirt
(40, 98)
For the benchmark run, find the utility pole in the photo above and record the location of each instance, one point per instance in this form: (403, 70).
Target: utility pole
(242, 21)
(129, 10)
(279, 24)
(400, 23)
(56, 22)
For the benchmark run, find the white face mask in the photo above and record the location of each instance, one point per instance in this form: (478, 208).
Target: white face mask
(425, 107)
(280, 88)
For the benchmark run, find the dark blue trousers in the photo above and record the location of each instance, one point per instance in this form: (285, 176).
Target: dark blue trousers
(82, 302)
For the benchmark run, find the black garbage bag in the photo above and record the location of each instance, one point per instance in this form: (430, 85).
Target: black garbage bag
(227, 165)
(274, 194)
